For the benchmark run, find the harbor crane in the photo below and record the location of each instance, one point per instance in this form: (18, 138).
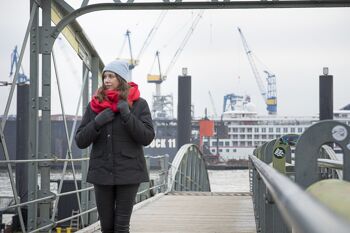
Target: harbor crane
(152, 33)
(269, 94)
(233, 102)
(163, 104)
(21, 77)
(132, 62)
(159, 78)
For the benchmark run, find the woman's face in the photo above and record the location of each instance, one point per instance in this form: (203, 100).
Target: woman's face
(110, 80)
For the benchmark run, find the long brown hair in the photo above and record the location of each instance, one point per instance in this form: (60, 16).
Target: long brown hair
(123, 89)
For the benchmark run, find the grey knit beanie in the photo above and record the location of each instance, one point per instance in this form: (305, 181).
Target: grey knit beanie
(119, 67)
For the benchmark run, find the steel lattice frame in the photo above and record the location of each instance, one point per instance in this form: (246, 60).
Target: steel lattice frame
(41, 39)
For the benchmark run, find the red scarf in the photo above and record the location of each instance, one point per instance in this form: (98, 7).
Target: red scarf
(112, 99)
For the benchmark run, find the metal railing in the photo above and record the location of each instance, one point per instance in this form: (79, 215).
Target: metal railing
(146, 190)
(300, 211)
(188, 171)
(157, 185)
(280, 202)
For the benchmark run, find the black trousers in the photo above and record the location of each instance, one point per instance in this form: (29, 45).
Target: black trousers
(114, 206)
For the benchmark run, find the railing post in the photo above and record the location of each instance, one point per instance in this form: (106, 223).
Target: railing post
(269, 204)
(255, 192)
(164, 169)
(193, 160)
(261, 194)
(258, 202)
(183, 172)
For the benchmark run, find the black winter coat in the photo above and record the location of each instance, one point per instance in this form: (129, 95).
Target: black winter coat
(117, 155)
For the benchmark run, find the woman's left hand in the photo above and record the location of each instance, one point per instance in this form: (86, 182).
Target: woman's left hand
(124, 110)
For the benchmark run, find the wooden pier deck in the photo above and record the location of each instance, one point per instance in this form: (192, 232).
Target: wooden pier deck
(192, 212)
(186, 212)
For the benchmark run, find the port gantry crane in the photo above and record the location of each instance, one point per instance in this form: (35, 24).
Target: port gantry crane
(162, 106)
(134, 62)
(269, 94)
(21, 77)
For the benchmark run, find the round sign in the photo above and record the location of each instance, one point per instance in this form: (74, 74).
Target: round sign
(339, 133)
(279, 152)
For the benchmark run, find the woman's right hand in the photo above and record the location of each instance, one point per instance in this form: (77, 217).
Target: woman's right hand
(104, 117)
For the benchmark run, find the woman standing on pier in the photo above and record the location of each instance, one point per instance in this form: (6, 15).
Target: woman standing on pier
(117, 122)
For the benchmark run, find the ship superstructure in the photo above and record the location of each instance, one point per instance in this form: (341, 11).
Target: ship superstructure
(246, 130)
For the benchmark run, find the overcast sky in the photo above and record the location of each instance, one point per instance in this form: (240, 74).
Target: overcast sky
(295, 44)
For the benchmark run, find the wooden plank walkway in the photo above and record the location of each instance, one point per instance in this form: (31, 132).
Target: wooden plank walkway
(196, 212)
(191, 212)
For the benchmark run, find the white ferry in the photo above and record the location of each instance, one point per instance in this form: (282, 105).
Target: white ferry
(245, 130)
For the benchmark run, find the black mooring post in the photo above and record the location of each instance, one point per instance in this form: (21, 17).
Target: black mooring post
(22, 132)
(184, 109)
(326, 95)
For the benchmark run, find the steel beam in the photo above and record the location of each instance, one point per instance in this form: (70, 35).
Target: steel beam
(45, 107)
(195, 5)
(75, 34)
(33, 120)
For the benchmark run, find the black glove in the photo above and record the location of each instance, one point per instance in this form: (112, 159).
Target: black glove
(104, 117)
(124, 110)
